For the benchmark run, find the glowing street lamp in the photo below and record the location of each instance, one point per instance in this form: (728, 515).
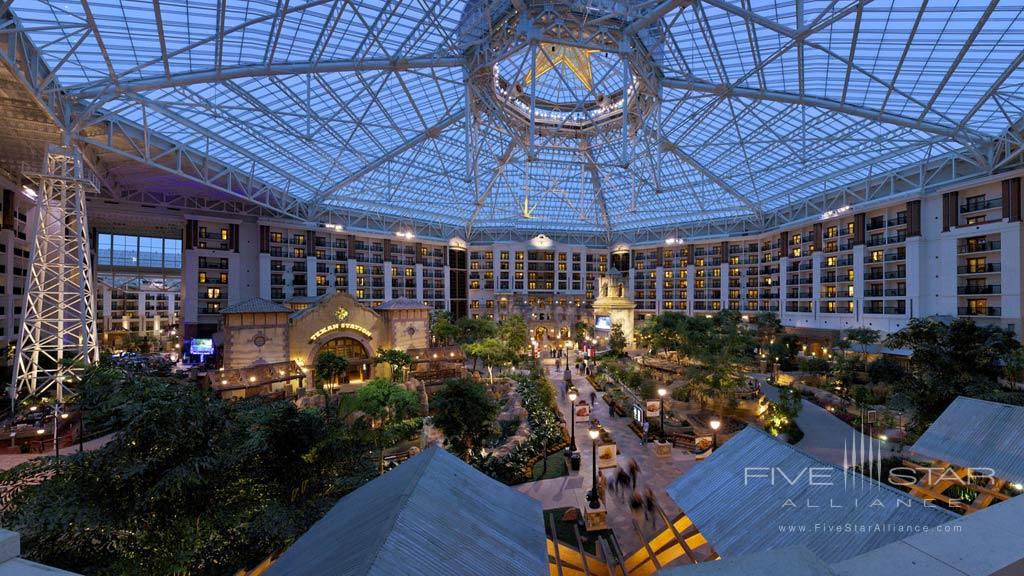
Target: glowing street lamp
(715, 424)
(573, 395)
(661, 409)
(595, 500)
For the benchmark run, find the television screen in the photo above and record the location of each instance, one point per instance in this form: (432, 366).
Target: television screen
(202, 346)
(603, 323)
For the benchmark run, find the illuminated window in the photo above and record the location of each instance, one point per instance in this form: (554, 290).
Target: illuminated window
(223, 233)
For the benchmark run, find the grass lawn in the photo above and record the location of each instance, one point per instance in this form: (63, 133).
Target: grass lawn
(556, 467)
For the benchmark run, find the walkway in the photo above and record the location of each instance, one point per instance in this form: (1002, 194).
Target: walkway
(8, 461)
(655, 472)
(826, 437)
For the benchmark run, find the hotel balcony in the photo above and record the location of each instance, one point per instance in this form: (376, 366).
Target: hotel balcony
(985, 289)
(978, 206)
(983, 246)
(979, 311)
(979, 268)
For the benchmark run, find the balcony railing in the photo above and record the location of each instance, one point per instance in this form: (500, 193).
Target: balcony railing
(979, 268)
(986, 289)
(979, 246)
(977, 206)
(979, 311)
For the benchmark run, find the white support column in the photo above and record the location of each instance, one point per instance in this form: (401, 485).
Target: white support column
(691, 278)
(311, 276)
(659, 288)
(264, 275)
(723, 293)
(388, 278)
(418, 269)
(58, 331)
(783, 283)
(913, 286)
(816, 262)
(351, 266)
(859, 283)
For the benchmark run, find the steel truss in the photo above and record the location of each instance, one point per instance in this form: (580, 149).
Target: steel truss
(697, 111)
(58, 335)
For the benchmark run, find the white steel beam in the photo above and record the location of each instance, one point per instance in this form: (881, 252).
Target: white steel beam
(952, 131)
(431, 132)
(213, 75)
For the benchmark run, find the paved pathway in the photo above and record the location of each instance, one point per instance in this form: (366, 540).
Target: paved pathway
(655, 472)
(8, 461)
(826, 437)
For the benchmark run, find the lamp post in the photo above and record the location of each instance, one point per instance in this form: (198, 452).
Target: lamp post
(595, 501)
(573, 395)
(715, 423)
(661, 409)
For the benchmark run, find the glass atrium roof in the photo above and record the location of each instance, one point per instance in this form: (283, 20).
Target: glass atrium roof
(362, 105)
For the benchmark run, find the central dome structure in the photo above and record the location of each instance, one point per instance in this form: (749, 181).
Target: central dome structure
(569, 91)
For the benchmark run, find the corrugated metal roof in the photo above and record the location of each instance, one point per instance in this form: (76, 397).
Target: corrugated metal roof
(977, 434)
(255, 306)
(795, 561)
(402, 304)
(745, 497)
(434, 514)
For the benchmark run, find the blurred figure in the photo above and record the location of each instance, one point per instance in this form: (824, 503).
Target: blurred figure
(622, 480)
(650, 501)
(634, 471)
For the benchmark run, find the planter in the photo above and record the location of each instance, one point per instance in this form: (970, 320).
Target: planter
(574, 461)
(663, 448)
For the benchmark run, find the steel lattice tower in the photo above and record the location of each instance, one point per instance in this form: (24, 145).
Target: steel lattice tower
(58, 333)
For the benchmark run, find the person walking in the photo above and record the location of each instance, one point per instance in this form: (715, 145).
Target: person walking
(593, 399)
(622, 480)
(558, 364)
(634, 471)
(646, 428)
(567, 376)
(649, 504)
(636, 505)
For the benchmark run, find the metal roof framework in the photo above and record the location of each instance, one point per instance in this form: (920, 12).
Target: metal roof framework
(354, 112)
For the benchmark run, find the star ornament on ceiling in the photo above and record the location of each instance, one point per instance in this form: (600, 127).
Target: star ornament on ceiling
(577, 60)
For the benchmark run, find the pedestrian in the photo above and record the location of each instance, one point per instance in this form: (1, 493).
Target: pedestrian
(636, 505)
(567, 376)
(634, 471)
(613, 486)
(602, 486)
(558, 364)
(646, 427)
(649, 504)
(622, 480)
(593, 398)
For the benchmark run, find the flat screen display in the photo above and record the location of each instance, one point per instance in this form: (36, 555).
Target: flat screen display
(202, 346)
(603, 323)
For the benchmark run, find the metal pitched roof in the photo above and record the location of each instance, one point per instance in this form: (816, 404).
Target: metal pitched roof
(434, 514)
(977, 434)
(255, 306)
(745, 497)
(795, 561)
(402, 304)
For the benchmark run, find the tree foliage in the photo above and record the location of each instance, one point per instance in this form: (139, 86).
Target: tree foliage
(329, 367)
(617, 340)
(397, 360)
(190, 484)
(469, 330)
(465, 412)
(960, 358)
(515, 334)
(492, 351)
